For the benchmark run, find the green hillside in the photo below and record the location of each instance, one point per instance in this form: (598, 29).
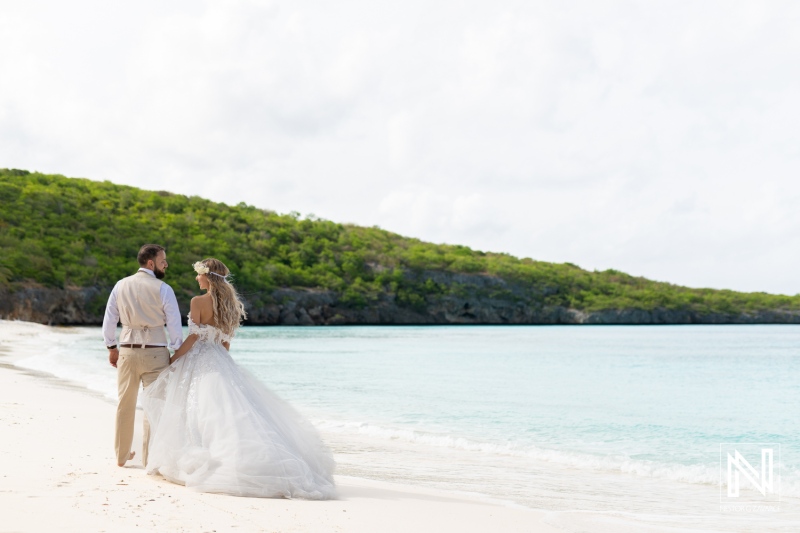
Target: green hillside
(65, 232)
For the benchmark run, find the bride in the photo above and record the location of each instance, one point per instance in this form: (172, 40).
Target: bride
(214, 427)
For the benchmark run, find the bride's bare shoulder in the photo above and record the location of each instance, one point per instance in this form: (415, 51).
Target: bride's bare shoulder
(201, 309)
(204, 300)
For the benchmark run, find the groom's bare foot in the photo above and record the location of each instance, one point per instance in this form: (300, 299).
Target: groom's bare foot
(129, 458)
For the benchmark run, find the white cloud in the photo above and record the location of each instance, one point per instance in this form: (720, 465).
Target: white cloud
(656, 138)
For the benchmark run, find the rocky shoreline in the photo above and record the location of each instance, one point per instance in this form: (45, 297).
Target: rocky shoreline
(308, 307)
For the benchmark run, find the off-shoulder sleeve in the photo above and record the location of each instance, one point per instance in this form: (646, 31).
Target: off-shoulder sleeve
(208, 333)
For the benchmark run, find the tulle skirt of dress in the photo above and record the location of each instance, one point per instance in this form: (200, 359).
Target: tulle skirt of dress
(215, 428)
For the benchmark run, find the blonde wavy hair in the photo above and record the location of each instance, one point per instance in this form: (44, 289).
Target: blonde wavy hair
(228, 307)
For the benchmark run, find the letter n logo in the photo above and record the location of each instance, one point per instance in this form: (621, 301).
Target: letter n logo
(760, 477)
(737, 464)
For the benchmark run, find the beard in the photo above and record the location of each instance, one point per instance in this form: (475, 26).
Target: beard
(159, 273)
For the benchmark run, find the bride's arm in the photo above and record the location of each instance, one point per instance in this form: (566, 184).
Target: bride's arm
(185, 347)
(194, 312)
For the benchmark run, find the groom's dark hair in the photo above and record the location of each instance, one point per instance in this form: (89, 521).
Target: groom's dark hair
(148, 252)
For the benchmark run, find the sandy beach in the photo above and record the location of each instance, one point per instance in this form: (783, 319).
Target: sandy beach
(58, 474)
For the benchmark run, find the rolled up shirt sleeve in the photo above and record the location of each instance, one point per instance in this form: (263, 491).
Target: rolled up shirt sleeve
(173, 316)
(111, 319)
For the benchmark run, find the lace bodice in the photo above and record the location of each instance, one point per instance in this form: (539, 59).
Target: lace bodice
(208, 333)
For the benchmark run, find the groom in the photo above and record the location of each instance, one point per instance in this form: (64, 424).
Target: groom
(144, 304)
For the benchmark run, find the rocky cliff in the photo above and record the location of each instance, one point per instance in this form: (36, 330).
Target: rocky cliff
(46, 305)
(469, 299)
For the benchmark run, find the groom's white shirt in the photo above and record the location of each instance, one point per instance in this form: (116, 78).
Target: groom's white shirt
(171, 311)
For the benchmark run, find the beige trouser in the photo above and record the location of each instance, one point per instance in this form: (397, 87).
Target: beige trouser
(134, 366)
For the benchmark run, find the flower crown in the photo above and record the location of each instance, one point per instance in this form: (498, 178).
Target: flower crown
(201, 268)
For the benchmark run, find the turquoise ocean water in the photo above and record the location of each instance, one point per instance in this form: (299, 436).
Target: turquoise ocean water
(625, 420)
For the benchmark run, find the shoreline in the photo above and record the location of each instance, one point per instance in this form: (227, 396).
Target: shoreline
(58, 473)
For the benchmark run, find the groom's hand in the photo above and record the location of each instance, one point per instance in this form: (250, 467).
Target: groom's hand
(113, 355)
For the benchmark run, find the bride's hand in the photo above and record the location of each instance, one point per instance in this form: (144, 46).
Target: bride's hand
(180, 352)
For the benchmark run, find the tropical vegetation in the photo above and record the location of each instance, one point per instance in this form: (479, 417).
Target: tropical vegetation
(65, 232)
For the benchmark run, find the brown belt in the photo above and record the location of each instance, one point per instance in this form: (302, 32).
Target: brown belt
(139, 346)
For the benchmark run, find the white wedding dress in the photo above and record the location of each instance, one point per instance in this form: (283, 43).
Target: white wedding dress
(215, 428)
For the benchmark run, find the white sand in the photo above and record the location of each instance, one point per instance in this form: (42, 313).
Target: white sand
(58, 473)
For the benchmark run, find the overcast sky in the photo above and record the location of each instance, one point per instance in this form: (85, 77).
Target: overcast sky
(657, 138)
